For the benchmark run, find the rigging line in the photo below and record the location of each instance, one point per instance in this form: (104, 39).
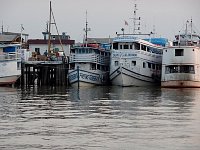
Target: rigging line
(57, 31)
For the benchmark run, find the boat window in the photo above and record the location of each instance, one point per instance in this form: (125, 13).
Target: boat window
(126, 46)
(149, 65)
(37, 50)
(171, 69)
(115, 46)
(137, 46)
(187, 69)
(153, 66)
(148, 49)
(92, 66)
(179, 52)
(179, 69)
(116, 63)
(143, 47)
(144, 65)
(120, 46)
(72, 50)
(133, 63)
(98, 67)
(72, 66)
(131, 46)
(18, 65)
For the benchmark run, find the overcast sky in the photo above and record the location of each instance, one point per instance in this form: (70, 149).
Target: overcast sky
(105, 17)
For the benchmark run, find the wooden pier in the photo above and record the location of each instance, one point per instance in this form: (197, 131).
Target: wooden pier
(50, 73)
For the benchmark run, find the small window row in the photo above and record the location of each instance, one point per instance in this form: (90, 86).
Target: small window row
(179, 69)
(136, 46)
(145, 65)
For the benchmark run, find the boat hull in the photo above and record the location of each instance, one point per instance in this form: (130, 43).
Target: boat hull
(181, 70)
(180, 84)
(81, 78)
(9, 80)
(125, 77)
(10, 71)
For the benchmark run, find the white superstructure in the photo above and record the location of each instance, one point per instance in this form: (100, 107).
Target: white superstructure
(10, 63)
(181, 61)
(135, 62)
(89, 66)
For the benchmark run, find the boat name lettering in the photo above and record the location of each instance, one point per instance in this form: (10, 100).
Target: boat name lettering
(89, 77)
(123, 55)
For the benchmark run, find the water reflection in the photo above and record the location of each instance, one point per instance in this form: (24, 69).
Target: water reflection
(99, 118)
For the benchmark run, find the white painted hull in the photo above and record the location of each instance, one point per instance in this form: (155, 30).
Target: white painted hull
(81, 78)
(10, 71)
(125, 77)
(82, 84)
(180, 84)
(9, 80)
(181, 71)
(130, 67)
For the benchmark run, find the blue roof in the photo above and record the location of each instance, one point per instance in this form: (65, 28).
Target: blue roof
(157, 41)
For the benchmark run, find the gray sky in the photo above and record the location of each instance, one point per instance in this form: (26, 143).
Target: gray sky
(105, 17)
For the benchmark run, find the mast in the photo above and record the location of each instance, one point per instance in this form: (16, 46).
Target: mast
(21, 36)
(49, 32)
(86, 29)
(49, 40)
(2, 28)
(135, 19)
(191, 30)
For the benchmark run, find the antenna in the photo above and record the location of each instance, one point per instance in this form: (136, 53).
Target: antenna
(186, 27)
(2, 28)
(191, 29)
(47, 26)
(136, 26)
(86, 29)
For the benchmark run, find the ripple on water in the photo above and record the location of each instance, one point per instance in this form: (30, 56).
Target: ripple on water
(99, 118)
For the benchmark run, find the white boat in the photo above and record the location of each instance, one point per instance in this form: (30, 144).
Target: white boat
(89, 63)
(10, 64)
(135, 62)
(89, 66)
(181, 61)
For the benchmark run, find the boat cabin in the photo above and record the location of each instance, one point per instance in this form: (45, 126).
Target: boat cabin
(96, 58)
(136, 45)
(187, 40)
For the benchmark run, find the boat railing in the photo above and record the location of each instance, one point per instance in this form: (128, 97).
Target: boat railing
(10, 56)
(92, 58)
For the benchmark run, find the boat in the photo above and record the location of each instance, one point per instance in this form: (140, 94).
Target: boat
(181, 63)
(88, 66)
(136, 60)
(10, 63)
(89, 63)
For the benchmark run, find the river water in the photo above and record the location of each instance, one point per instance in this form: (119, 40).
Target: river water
(99, 118)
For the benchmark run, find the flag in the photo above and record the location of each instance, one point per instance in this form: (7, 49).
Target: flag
(126, 23)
